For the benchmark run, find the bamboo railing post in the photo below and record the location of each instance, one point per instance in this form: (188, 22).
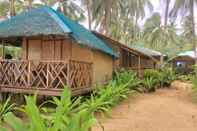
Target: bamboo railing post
(47, 75)
(92, 75)
(68, 74)
(3, 49)
(29, 73)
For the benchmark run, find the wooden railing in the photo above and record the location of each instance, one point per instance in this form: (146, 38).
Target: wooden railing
(45, 75)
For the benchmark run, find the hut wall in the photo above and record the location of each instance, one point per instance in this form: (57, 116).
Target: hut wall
(147, 63)
(102, 63)
(81, 53)
(102, 67)
(34, 49)
(116, 48)
(46, 49)
(66, 49)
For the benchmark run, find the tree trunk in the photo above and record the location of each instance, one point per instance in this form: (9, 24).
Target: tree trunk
(29, 6)
(166, 12)
(165, 26)
(88, 4)
(108, 15)
(193, 29)
(105, 23)
(12, 8)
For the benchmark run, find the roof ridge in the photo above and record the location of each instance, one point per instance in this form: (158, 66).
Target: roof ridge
(58, 20)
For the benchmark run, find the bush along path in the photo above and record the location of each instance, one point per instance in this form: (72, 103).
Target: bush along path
(77, 114)
(168, 109)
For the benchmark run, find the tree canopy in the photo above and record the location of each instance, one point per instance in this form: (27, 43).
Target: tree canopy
(127, 20)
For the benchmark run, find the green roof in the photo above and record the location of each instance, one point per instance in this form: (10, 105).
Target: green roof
(46, 21)
(41, 21)
(147, 51)
(187, 53)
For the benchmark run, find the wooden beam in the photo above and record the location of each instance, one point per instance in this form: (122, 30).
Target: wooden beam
(139, 66)
(3, 49)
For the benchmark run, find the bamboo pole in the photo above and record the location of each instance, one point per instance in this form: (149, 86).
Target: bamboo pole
(139, 66)
(3, 50)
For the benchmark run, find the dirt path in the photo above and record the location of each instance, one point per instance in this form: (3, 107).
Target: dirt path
(165, 110)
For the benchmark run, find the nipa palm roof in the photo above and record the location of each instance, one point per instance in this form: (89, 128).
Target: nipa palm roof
(46, 21)
(147, 51)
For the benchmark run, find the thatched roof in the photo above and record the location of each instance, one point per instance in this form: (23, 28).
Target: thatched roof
(46, 21)
(148, 51)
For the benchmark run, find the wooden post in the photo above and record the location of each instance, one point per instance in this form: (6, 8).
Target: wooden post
(92, 75)
(68, 74)
(47, 75)
(29, 73)
(3, 50)
(139, 66)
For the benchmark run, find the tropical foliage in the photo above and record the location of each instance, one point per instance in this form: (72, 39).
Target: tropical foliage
(170, 31)
(5, 108)
(72, 114)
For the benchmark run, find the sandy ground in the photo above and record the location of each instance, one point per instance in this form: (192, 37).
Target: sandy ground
(166, 110)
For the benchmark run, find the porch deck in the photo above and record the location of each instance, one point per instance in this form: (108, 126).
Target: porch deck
(45, 77)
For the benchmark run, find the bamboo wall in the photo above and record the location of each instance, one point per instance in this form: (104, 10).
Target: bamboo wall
(103, 67)
(66, 49)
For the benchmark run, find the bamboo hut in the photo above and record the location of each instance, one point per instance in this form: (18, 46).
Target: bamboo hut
(183, 62)
(56, 51)
(132, 58)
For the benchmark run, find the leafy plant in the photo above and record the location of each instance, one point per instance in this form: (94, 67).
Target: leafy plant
(128, 77)
(5, 108)
(74, 114)
(67, 116)
(153, 75)
(188, 77)
(167, 76)
(149, 84)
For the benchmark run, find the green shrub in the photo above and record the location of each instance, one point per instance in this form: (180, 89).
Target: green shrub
(153, 73)
(194, 88)
(68, 116)
(74, 114)
(188, 77)
(162, 77)
(149, 84)
(167, 76)
(5, 108)
(127, 77)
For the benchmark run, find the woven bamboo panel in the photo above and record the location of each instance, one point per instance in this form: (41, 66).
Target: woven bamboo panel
(45, 75)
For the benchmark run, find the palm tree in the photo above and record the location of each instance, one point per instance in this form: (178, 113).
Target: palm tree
(105, 11)
(166, 12)
(88, 5)
(184, 7)
(48, 2)
(158, 36)
(29, 4)
(71, 9)
(12, 8)
(4, 8)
